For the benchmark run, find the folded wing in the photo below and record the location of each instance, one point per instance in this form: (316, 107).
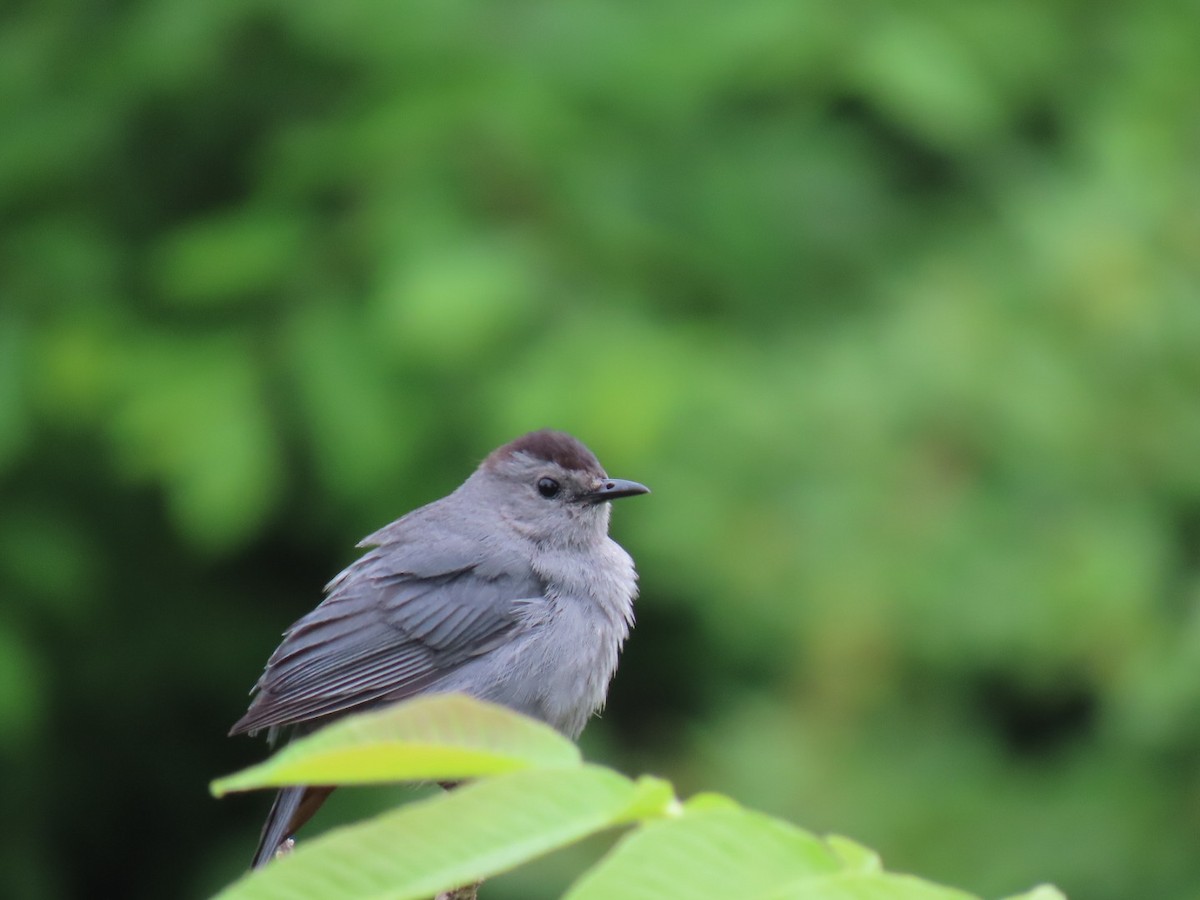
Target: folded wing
(385, 632)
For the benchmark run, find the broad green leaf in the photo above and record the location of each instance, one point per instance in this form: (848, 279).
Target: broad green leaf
(719, 850)
(1041, 892)
(457, 838)
(714, 849)
(866, 886)
(709, 800)
(653, 797)
(854, 856)
(440, 736)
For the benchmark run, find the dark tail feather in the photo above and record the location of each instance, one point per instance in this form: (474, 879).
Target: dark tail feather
(293, 807)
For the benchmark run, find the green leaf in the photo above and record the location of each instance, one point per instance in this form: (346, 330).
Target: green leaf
(866, 886)
(653, 797)
(854, 856)
(718, 850)
(457, 838)
(715, 849)
(441, 736)
(1041, 892)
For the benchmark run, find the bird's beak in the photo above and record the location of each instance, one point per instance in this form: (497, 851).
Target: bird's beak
(612, 488)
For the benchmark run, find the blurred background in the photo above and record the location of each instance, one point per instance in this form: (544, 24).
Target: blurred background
(895, 307)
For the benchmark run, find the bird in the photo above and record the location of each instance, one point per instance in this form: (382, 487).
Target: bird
(508, 589)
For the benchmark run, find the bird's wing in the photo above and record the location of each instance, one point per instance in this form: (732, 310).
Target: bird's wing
(386, 631)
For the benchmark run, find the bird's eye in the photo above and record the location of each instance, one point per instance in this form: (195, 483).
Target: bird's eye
(547, 487)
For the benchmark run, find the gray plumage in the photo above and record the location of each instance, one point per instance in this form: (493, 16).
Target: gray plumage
(508, 589)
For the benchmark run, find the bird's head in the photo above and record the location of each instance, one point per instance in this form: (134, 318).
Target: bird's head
(551, 488)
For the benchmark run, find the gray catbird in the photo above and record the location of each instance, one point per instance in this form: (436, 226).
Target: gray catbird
(508, 589)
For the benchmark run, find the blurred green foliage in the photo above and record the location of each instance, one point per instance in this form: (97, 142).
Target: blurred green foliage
(895, 307)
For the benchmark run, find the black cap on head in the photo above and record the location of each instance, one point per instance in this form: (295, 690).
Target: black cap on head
(552, 446)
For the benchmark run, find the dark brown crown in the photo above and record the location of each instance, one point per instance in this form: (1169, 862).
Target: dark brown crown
(551, 446)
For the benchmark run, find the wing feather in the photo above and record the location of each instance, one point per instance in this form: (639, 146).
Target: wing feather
(384, 632)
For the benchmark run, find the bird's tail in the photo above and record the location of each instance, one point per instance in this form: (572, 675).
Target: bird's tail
(293, 807)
